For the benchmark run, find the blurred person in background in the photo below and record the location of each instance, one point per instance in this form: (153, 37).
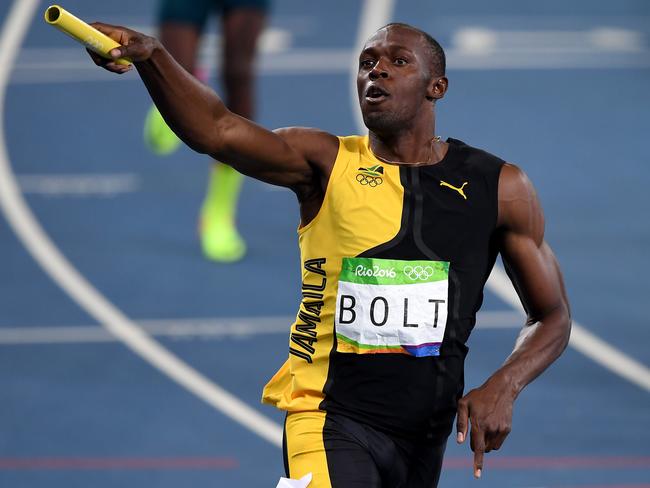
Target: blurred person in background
(181, 24)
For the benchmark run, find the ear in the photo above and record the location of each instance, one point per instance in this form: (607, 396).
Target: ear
(437, 88)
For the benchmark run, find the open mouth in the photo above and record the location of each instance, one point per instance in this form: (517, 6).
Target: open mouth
(375, 93)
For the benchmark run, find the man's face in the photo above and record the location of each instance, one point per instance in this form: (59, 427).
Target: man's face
(393, 77)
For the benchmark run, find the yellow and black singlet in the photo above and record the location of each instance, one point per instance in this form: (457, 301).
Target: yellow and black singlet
(393, 269)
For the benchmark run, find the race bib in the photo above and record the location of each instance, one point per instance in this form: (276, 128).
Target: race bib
(387, 306)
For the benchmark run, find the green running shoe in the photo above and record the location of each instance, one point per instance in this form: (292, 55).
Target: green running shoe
(220, 239)
(158, 137)
(221, 242)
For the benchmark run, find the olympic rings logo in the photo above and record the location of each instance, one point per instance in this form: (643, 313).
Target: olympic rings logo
(416, 273)
(371, 181)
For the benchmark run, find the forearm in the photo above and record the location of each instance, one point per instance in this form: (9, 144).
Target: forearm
(199, 117)
(190, 108)
(536, 351)
(536, 276)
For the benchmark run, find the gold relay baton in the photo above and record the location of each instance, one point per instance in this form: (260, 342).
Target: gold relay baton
(80, 31)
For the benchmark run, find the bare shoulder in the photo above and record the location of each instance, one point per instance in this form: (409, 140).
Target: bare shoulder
(316, 146)
(519, 207)
(514, 184)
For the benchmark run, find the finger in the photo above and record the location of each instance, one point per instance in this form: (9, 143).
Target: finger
(118, 33)
(490, 436)
(477, 443)
(461, 422)
(97, 59)
(119, 52)
(500, 438)
(108, 64)
(134, 51)
(118, 68)
(111, 31)
(478, 463)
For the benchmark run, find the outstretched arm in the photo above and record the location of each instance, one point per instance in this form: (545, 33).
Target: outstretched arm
(296, 158)
(536, 275)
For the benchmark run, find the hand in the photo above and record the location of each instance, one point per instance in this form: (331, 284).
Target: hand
(489, 409)
(134, 45)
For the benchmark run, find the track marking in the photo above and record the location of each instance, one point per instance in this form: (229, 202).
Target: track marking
(202, 329)
(519, 463)
(79, 185)
(484, 41)
(553, 462)
(48, 256)
(121, 463)
(478, 47)
(581, 339)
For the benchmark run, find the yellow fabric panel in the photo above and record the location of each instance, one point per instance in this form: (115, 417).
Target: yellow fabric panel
(353, 218)
(278, 386)
(305, 447)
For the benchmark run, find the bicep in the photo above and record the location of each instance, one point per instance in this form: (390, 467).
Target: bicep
(260, 153)
(528, 259)
(534, 272)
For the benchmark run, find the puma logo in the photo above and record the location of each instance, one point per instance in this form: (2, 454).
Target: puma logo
(459, 190)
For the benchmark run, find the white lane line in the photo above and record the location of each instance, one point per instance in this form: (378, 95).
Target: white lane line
(581, 339)
(470, 48)
(71, 66)
(484, 40)
(202, 329)
(43, 250)
(79, 185)
(337, 61)
(272, 40)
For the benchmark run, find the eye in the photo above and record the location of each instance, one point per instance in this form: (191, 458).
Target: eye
(400, 61)
(366, 63)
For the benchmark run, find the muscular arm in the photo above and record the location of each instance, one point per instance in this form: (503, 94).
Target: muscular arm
(297, 158)
(535, 273)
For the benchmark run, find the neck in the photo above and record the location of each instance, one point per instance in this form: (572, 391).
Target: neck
(409, 145)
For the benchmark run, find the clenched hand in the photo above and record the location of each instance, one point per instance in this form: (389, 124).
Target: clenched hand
(134, 45)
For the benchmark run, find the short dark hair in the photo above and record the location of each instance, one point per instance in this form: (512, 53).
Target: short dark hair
(438, 58)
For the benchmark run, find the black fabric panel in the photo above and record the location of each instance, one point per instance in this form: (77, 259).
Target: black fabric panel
(285, 454)
(359, 456)
(417, 397)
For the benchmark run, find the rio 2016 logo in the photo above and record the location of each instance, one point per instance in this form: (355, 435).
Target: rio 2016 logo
(375, 272)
